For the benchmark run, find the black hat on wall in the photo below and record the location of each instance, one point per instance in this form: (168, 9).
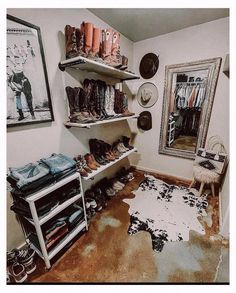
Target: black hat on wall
(145, 120)
(149, 65)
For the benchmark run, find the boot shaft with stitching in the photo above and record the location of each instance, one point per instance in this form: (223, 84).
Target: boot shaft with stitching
(70, 41)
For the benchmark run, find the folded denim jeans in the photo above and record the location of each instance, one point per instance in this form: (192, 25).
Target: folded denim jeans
(58, 163)
(33, 186)
(63, 174)
(29, 173)
(38, 184)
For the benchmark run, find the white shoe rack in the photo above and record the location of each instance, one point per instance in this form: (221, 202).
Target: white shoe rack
(37, 221)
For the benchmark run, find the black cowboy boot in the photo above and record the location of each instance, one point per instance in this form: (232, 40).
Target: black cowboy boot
(97, 89)
(84, 106)
(21, 115)
(102, 89)
(30, 105)
(95, 150)
(73, 99)
(90, 97)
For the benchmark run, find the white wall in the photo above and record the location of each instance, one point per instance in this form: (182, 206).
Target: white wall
(191, 44)
(30, 143)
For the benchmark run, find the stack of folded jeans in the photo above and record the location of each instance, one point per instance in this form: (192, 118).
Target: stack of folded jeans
(21, 207)
(34, 176)
(46, 204)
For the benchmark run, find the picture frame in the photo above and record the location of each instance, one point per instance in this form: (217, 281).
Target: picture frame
(28, 92)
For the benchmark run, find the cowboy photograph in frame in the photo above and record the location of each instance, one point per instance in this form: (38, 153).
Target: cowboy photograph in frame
(28, 94)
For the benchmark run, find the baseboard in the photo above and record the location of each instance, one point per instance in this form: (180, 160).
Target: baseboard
(220, 212)
(223, 223)
(141, 168)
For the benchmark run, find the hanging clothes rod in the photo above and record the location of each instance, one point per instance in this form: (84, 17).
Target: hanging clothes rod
(191, 82)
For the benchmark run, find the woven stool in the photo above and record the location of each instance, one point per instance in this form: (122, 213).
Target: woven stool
(204, 176)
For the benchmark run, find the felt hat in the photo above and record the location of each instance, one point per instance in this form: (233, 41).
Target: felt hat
(147, 95)
(149, 65)
(145, 120)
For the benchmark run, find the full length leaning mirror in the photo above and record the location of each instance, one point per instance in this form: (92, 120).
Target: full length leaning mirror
(188, 99)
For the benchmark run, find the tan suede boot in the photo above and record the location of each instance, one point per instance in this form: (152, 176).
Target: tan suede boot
(97, 34)
(88, 33)
(116, 59)
(107, 36)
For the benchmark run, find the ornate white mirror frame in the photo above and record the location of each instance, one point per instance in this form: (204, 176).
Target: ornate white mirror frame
(211, 67)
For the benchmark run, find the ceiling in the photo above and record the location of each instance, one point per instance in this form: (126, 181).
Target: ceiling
(140, 24)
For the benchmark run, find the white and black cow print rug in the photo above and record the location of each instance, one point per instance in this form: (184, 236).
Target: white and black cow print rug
(167, 212)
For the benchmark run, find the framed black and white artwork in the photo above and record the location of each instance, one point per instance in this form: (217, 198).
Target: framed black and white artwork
(28, 93)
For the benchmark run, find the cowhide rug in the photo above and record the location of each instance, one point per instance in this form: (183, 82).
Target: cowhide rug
(167, 212)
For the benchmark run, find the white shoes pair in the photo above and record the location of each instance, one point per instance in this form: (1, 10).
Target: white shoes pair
(117, 186)
(121, 148)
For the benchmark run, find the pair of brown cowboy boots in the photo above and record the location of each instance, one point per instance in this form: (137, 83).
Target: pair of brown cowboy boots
(83, 41)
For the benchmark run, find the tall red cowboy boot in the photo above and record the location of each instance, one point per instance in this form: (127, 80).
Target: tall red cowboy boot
(107, 35)
(70, 41)
(97, 34)
(88, 33)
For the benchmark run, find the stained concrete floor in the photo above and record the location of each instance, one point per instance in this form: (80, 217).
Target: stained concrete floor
(106, 253)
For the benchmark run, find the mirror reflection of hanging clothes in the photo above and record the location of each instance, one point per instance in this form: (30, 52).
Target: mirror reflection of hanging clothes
(200, 97)
(181, 98)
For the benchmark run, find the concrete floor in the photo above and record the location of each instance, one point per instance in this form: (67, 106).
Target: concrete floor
(106, 253)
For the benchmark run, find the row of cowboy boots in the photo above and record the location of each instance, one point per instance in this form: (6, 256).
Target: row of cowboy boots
(96, 101)
(101, 153)
(95, 43)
